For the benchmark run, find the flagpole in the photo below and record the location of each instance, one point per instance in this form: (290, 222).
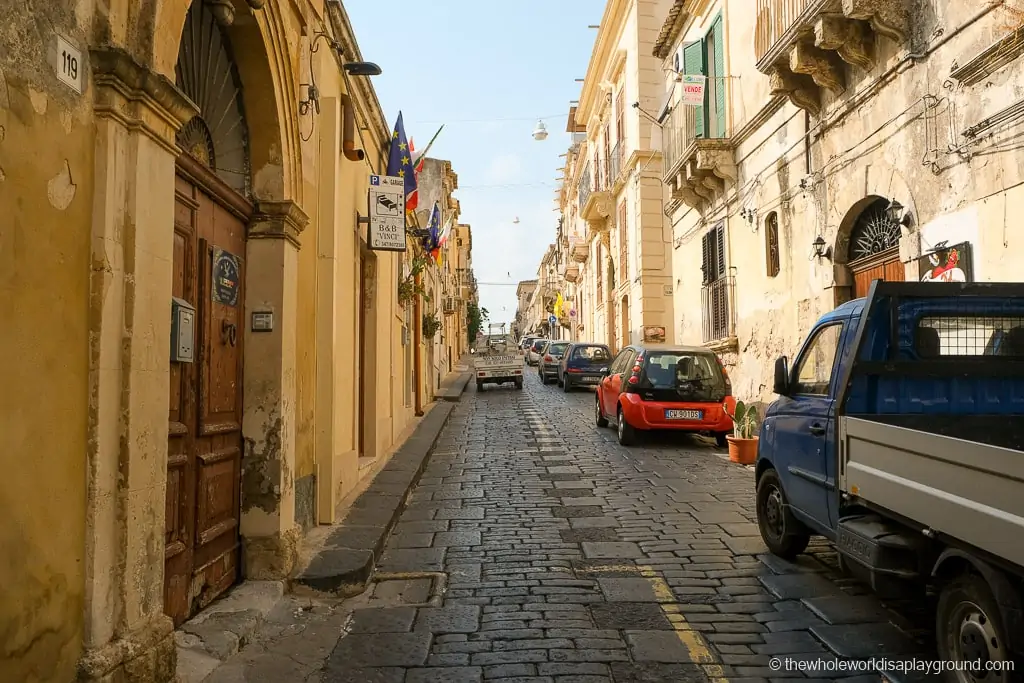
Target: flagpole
(423, 155)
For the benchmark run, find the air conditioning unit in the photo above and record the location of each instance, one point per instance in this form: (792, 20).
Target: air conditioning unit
(465, 293)
(448, 304)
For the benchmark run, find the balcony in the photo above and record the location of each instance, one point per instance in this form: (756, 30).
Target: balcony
(594, 194)
(804, 45)
(572, 272)
(717, 313)
(696, 168)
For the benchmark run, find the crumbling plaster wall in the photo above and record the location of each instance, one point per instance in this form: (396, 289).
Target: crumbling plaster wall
(45, 204)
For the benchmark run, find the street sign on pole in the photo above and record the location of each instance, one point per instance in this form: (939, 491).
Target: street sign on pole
(552, 320)
(386, 197)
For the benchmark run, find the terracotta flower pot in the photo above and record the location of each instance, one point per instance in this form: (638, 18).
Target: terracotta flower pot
(743, 451)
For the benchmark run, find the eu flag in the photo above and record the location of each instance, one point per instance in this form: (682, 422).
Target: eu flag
(433, 230)
(400, 163)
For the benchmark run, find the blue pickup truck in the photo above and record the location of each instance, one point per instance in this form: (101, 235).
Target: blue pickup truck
(898, 435)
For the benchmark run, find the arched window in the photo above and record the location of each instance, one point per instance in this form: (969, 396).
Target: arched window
(771, 244)
(873, 232)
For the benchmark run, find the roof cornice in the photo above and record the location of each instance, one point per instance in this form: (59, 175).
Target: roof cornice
(673, 26)
(610, 27)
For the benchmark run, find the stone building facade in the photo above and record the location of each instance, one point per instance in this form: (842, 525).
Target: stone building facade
(611, 198)
(165, 160)
(840, 141)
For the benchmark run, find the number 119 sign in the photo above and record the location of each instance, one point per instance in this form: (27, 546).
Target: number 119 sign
(69, 65)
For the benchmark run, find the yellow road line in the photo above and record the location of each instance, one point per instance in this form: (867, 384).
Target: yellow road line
(692, 640)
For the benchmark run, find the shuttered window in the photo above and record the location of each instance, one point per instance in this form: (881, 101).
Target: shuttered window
(599, 274)
(623, 244)
(713, 251)
(620, 119)
(706, 57)
(715, 294)
(693, 64)
(605, 173)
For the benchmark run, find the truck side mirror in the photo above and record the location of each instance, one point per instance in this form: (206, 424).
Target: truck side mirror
(605, 371)
(781, 386)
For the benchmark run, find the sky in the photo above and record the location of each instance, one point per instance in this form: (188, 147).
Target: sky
(487, 71)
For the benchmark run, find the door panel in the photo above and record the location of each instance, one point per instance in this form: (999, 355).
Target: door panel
(204, 442)
(804, 422)
(884, 266)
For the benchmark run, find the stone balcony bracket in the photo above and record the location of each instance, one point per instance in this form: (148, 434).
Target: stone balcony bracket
(572, 272)
(708, 168)
(597, 210)
(810, 55)
(580, 252)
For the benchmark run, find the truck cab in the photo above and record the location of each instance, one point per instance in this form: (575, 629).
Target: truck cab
(898, 435)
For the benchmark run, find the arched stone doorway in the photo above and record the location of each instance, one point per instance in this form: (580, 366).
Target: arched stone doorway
(212, 207)
(868, 246)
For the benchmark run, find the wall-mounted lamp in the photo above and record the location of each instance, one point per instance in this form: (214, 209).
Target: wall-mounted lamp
(362, 69)
(821, 250)
(896, 213)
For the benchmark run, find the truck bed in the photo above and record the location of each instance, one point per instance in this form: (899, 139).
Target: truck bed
(959, 475)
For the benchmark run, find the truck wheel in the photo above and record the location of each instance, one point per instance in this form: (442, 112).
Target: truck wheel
(602, 421)
(519, 384)
(626, 433)
(784, 535)
(479, 386)
(969, 626)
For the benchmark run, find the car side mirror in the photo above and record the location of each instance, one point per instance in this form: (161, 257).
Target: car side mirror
(605, 372)
(781, 385)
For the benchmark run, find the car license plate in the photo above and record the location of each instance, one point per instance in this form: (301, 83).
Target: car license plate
(590, 379)
(684, 414)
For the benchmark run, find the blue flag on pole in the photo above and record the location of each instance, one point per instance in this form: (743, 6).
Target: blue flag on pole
(400, 163)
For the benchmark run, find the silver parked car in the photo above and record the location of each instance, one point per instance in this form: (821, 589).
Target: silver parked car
(550, 359)
(533, 354)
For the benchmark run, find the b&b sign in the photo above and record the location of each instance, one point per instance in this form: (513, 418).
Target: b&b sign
(693, 90)
(386, 231)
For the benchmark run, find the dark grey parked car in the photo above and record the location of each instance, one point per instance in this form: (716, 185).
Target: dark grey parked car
(550, 357)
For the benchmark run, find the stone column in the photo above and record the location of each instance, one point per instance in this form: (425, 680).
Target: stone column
(269, 533)
(137, 112)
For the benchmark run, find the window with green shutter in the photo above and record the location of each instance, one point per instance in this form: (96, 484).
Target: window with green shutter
(693, 64)
(706, 57)
(716, 79)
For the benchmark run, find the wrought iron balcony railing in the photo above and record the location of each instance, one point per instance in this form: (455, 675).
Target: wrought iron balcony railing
(615, 162)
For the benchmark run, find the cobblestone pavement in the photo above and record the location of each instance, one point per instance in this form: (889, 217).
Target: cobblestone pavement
(570, 559)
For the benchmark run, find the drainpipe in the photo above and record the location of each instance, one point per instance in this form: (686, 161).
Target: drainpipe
(417, 351)
(348, 125)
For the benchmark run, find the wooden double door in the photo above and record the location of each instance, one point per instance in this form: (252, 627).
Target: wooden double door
(884, 265)
(205, 420)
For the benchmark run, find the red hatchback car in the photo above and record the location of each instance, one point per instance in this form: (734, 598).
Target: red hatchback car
(654, 387)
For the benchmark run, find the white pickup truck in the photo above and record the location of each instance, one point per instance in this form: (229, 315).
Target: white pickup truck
(498, 360)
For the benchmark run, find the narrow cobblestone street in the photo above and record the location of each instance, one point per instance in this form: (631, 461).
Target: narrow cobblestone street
(569, 558)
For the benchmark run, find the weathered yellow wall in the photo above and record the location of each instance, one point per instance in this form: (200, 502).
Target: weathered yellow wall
(45, 207)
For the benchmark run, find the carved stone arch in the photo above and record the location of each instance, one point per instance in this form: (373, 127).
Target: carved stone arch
(269, 84)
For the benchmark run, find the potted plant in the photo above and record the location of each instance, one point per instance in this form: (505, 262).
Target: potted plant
(743, 440)
(430, 325)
